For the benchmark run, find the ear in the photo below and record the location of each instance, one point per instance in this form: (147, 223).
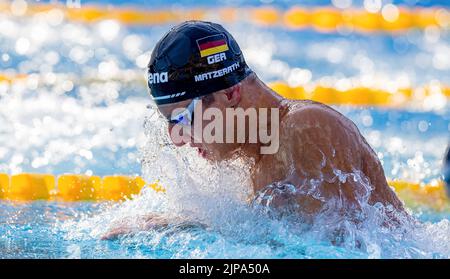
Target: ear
(233, 95)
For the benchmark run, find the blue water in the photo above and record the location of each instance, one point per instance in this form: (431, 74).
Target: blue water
(85, 112)
(34, 231)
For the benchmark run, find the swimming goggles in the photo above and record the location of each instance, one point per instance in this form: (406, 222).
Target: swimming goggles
(186, 117)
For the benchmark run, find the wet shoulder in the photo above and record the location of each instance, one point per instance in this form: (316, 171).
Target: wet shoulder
(306, 114)
(318, 136)
(318, 124)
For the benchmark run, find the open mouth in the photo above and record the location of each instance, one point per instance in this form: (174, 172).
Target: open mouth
(202, 152)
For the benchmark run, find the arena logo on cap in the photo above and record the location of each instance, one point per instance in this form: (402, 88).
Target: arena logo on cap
(212, 44)
(158, 77)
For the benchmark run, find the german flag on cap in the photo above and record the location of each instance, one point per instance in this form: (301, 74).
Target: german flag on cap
(212, 44)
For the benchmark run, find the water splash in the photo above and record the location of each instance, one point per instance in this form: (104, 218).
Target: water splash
(208, 212)
(80, 113)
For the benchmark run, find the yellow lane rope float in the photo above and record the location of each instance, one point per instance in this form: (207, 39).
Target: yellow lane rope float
(389, 18)
(359, 95)
(71, 187)
(76, 187)
(430, 95)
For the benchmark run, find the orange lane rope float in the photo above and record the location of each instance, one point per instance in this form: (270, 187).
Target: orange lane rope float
(76, 187)
(434, 94)
(71, 187)
(390, 18)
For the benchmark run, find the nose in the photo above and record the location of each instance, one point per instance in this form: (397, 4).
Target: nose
(176, 139)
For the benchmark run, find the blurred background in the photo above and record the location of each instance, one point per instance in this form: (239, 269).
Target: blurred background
(74, 99)
(72, 75)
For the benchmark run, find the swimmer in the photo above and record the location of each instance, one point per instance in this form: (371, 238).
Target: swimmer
(319, 151)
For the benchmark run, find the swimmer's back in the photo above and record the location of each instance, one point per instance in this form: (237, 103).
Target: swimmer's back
(325, 141)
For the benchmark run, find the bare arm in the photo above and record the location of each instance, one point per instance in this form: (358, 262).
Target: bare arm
(148, 222)
(141, 223)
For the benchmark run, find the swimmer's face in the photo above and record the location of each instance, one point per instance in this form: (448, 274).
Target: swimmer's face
(215, 150)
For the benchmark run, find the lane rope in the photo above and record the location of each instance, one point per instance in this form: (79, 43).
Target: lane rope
(350, 92)
(25, 187)
(71, 187)
(391, 19)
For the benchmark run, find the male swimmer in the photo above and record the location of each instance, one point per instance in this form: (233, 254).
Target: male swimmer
(198, 65)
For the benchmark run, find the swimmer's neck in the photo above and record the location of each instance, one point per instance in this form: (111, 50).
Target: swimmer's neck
(256, 94)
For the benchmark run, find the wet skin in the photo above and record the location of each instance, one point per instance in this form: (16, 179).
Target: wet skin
(316, 145)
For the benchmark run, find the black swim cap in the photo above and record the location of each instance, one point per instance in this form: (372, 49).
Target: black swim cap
(193, 59)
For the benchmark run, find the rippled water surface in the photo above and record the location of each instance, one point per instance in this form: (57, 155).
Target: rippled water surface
(84, 108)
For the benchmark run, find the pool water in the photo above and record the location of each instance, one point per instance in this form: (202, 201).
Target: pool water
(54, 230)
(85, 109)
